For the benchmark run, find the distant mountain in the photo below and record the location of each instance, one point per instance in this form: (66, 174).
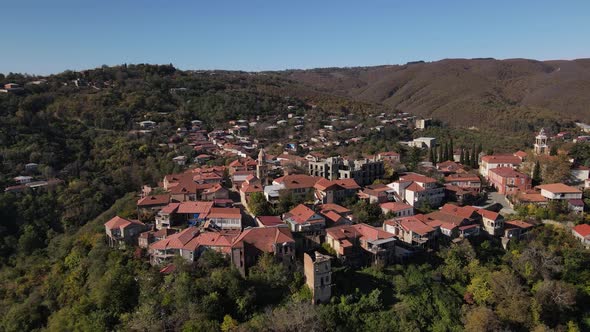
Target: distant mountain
(465, 91)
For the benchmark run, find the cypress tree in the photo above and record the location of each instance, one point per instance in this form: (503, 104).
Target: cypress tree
(467, 158)
(432, 156)
(462, 157)
(474, 158)
(440, 153)
(537, 174)
(451, 150)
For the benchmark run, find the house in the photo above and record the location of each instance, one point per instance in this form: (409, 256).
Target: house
(376, 194)
(301, 219)
(269, 221)
(189, 244)
(559, 191)
(217, 191)
(530, 197)
(515, 229)
(466, 181)
(250, 186)
(582, 233)
(149, 237)
(412, 230)
(360, 244)
(147, 124)
(423, 142)
(299, 185)
(253, 242)
(463, 219)
(580, 173)
(334, 218)
(460, 195)
(318, 276)
(180, 160)
(493, 222)
(341, 210)
(423, 123)
(193, 213)
(123, 232)
(389, 156)
(152, 203)
(23, 179)
(398, 209)
(494, 161)
(167, 216)
(508, 181)
(224, 218)
(449, 167)
(417, 190)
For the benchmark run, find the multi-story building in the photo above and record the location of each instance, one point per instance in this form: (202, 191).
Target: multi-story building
(121, 232)
(495, 161)
(417, 190)
(318, 276)
(253, 242)
(508, 181)
(363, 171)
(359, 244)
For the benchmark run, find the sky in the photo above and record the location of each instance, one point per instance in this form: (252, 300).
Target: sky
(45, 37)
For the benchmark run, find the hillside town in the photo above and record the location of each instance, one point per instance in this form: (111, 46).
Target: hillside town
(314, 210)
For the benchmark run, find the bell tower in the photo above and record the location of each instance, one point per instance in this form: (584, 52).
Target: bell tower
(541, 146)
(261, 167)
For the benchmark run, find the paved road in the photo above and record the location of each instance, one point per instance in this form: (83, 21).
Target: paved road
(494, 197)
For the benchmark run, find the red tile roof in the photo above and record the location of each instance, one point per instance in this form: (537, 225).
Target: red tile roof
(501, 159)
(270, 221)
(154, 200)
(224, 213)
(517, 224)
(582, 229)
(361, 231)
(416, 178)
(413, 224)
(195, 207)
(118, 222)
(507, 172)
(300, 214)
(297, 181)
(334, 207)
(559, 188)
(264, 238)
(395, 206)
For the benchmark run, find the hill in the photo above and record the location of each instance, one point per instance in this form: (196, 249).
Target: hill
(465, 91)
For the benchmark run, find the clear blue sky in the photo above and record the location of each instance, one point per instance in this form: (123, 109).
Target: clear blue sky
(43, 37)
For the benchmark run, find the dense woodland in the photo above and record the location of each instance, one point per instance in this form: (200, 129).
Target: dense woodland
(57, 273)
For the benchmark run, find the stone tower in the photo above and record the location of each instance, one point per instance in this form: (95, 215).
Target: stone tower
(541, 146)
(318, 276)
(262, 168)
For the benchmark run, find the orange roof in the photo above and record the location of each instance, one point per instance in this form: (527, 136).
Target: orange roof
(154, 200)
(195, 207)
(413, 224)
(582, 229)
(559, 188)
(348, 184)
(461, 211)
(415, 187)
(489, 214)
(224, 213)
(520, 154)
(462, 177)
(501, 159)
(270, 220)
(176, 241)
(324, 184)
(517, 224)
(298, 181)
(362, 231)
(507, 172)
(416, 178)
(264, 238)
(118, 222)
(332, 216)
(212, 239)
(300, 214)
(170, 208)
(395, 206)
(334, 207)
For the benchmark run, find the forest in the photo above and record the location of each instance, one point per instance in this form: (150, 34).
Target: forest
(58, 274)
